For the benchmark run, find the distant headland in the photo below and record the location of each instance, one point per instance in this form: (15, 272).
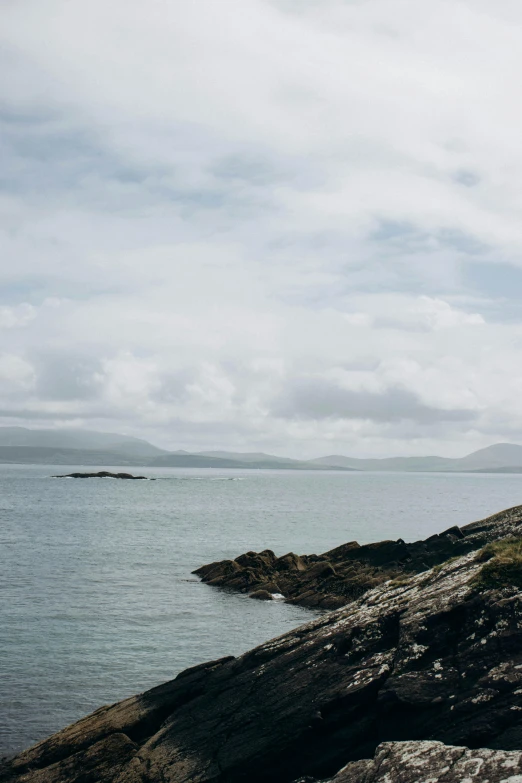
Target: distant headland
(19, 445)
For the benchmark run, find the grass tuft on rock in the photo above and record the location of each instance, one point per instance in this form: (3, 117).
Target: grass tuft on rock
(502, 565)
(438, 568)
(400, 582)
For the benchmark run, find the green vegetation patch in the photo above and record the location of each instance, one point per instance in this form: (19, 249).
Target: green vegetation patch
(502, 565)
(438, 568)
(400, 582)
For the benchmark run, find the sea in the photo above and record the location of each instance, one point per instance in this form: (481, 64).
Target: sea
(97, 599)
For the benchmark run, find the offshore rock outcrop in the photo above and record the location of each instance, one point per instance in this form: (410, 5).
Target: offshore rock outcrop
(432, 659)
(105, 474)
(339, 576)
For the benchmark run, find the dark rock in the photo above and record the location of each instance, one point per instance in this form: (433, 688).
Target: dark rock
(343, 574)
(262, 595)
(323, 569)
(104, 474)
(270, 587)
(290, 562)
(429, 660)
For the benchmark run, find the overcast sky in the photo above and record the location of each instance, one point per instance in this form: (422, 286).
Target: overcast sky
(283, 225)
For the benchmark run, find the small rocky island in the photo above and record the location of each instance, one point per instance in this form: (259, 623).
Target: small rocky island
(105, 474)
(419, 678)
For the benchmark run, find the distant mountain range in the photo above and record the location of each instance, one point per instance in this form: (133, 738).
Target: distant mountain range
(77, 439)
(501, 457)
(83, 447)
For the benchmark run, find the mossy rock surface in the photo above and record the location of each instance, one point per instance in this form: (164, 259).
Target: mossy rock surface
(502, 565)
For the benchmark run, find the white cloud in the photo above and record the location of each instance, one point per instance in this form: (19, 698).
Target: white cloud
(14, 317)
(423, 313)
(438, 314)
(16, 375)
(205, 203)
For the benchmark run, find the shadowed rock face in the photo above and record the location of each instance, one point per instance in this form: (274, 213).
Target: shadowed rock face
(432, 659)
(343, 574)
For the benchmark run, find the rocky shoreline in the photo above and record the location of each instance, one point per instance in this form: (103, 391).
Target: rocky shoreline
(365, 693)
(339, 576)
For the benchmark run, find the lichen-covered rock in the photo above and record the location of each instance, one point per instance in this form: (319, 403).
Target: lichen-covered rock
(337, 577)
(431, 762)
(432, 659)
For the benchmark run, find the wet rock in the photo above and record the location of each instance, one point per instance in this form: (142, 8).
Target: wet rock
(429, 661)
(346, 572)
(270, 587)
(262, 595)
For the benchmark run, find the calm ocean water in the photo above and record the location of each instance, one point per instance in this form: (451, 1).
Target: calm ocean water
(97, 601)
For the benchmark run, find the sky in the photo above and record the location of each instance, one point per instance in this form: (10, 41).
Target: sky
(292, 226)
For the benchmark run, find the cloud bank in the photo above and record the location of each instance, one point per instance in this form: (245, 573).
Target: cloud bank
(293, 227)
